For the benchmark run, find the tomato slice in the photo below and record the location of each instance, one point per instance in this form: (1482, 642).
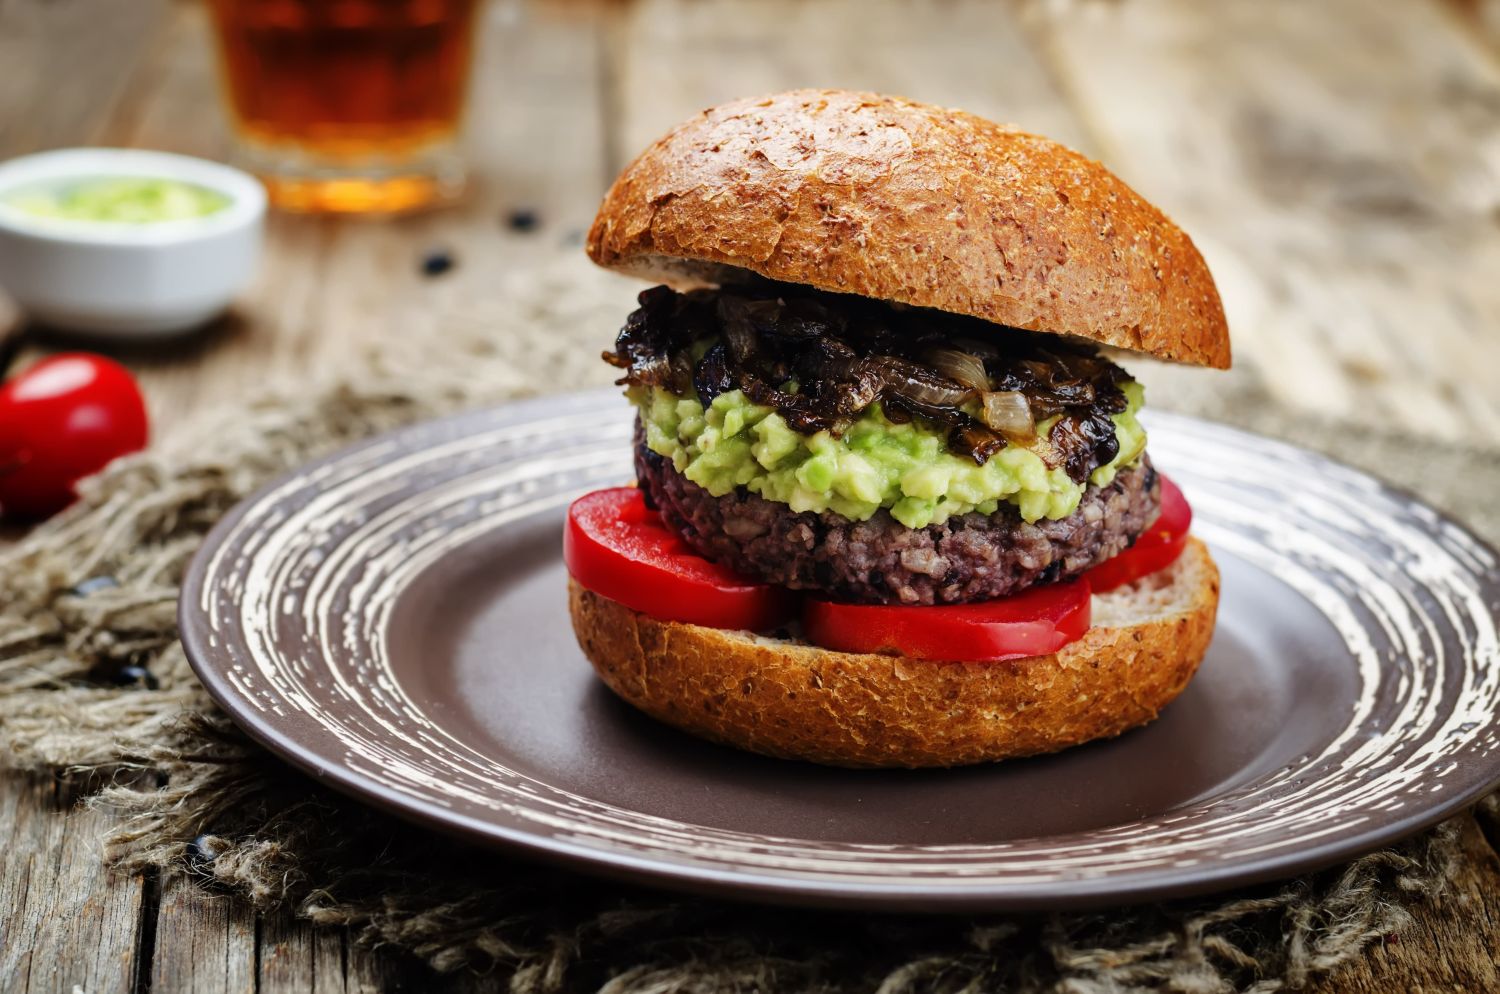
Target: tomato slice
(617, 547)
(1032, 623)
(1156, 549)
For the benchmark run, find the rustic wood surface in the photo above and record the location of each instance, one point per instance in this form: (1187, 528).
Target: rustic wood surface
(1338, 161)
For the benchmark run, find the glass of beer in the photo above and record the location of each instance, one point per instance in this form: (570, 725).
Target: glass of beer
(349, 105)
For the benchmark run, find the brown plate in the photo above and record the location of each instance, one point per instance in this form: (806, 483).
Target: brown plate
(393, 618)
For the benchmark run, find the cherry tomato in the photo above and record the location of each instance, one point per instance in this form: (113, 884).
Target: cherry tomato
(1032, 623)
(618, 548)
(1156, 549)
(65, 418)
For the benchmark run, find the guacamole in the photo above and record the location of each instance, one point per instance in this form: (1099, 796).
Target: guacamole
(907, 468)
(120, 200)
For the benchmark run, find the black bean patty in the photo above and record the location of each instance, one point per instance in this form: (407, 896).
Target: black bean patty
(969, 557)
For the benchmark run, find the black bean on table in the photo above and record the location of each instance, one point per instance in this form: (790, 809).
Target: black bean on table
(437, 262)
(136, 675)
(522, 219)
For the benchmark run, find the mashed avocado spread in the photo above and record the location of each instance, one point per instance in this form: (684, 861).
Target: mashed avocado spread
(121, 200)
(875, 463)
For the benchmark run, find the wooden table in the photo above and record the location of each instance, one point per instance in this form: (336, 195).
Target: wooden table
(1338, 161)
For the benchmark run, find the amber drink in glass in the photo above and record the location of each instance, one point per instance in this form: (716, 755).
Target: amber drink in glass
(349, 105)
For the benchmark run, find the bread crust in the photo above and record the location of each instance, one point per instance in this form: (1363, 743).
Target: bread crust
(798, 701)
(882, 197)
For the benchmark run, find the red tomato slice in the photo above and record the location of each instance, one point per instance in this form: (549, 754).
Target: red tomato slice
(1156, 549)
(1032, 623)
(618, 548)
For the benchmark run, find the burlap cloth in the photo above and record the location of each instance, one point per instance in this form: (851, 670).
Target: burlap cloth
(93, 680)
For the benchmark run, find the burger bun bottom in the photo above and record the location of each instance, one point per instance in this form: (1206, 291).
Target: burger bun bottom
(786, 698)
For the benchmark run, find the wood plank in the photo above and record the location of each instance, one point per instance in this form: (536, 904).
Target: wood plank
(1480, 16)
(675, 57)
(205, 943)
(298, 957)
(1335, 163)
(329, 291)
(65, 62)
(295, 956)
(64, 923)
(173, 100)
(1452, 944)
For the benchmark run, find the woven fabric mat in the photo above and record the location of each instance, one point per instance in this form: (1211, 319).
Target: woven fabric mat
(93, 679)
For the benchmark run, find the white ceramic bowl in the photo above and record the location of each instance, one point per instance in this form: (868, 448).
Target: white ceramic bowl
(128, 278)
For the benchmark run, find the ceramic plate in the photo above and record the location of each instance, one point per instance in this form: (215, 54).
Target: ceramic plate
(394, 619)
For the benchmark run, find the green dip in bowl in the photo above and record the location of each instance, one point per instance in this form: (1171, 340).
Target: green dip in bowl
(120, 200)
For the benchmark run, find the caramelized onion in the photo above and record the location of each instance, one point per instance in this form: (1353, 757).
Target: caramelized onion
(845, 353)
(1009, 413)
(959, 366)
(1084, 441)
(711, 376)
(739, 333)
(653, 369)
(976, 441)
(917, 383)
(1061, 382)
(973, 346)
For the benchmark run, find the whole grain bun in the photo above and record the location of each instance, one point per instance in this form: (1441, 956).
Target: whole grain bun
(789, 699)
(882, 197)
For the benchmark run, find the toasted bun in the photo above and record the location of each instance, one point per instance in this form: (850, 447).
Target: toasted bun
(877, 196)
(790, 699)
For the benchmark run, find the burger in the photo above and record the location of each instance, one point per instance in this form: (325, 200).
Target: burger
(894, 505)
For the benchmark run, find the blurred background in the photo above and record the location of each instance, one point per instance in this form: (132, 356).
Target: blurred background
(1338, 161)
(433, 166)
